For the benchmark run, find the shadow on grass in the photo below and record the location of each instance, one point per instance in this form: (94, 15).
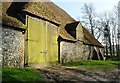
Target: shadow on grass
(9, 75)
(9, 79)
(85, 73)
(117, 64)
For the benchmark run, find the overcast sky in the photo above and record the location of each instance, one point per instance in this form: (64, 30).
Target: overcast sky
(73, 7)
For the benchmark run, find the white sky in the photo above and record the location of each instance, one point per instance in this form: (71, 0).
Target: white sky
(73, 7)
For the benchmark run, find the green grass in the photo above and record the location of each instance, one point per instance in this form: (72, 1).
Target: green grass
(114, 58)
(95, 65)
(20, 74)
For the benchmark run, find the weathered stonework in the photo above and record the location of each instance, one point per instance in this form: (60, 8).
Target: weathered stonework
(73, 51)
(12, 47)
(1, 46)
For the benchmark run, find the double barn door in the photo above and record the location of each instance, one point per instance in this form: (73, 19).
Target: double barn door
(42, 42)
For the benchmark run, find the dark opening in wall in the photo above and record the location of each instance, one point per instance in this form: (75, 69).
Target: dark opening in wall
(71, 28)
(101, 58)
(95, 57)
(15, 10)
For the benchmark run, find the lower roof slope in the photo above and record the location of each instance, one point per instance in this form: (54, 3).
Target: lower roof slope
(90, 39)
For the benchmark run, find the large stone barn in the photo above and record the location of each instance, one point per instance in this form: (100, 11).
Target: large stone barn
(85, 47)
(41, 33)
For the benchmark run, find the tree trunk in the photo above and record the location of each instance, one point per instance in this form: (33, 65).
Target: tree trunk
(113, 49)
(110, 46)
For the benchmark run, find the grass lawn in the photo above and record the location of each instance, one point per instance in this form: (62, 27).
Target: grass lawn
(20, 74)
(30, 75)
(106, 65)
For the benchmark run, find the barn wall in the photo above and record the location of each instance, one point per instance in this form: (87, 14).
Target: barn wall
(73, 51)
(1, 57)
(12, 47)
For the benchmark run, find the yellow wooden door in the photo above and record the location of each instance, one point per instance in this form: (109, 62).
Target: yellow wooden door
(42, 42)
(52, 46)
(36, 42)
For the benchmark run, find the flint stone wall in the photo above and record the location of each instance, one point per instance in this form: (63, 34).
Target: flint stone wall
(12, 47)
(71, 52)
(1, 57)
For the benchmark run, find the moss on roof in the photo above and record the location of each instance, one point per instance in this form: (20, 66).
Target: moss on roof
(40, 9)
(50, 11)
(90, 39)
(65, 35)
(9, 20)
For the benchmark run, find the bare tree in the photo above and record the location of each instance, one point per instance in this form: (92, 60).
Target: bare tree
(114, 28)
(105, 21)
(88, 17)
(112, 17)
(90, 20)
(118, 50)
(97, 24)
